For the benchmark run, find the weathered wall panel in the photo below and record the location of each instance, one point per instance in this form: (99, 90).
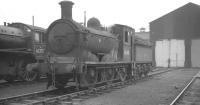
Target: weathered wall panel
(143, 53)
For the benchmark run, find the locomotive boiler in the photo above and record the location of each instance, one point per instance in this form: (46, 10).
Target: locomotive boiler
(87, 55)
(65, 36)
(17, 50)
(15, 38)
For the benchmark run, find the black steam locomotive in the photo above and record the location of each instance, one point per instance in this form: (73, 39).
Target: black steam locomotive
(21, 46)
(90, 55)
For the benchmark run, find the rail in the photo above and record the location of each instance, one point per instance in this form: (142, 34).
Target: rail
(185, 89)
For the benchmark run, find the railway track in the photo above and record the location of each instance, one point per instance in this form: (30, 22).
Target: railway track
(18, 82)
(68, 95)
(190, 95)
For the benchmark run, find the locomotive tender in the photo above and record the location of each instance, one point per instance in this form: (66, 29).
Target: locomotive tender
(19, 45)
(89, 56)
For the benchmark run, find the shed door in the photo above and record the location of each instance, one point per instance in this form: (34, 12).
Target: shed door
(195, 53)
(177, 53)
(170, 53)
(162, 53)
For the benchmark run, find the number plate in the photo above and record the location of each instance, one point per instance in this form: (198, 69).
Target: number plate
(39, 51)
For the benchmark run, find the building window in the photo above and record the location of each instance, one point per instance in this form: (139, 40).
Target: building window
(126, 36)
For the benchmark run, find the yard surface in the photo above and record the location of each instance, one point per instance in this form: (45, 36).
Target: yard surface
(157, 90)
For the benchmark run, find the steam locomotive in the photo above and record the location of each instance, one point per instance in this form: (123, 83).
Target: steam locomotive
(21, 46)
(91, 55)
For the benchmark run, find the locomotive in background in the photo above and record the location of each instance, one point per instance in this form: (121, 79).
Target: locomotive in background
(90, 55)
(21, 46)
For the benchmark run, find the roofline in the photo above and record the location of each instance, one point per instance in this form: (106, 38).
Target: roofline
(124, 26)
(29, 26)
(174, 11)
(143, 32)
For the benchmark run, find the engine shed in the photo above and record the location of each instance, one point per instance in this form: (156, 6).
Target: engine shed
(183, 25)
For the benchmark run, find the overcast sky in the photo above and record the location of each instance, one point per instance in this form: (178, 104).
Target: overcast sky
(135, 13)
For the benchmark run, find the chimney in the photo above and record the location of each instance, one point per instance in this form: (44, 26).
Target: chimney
(66, 9)
(85, 18)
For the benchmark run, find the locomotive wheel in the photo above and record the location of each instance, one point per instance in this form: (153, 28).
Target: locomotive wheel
(116, 74)
(146, 70)
(24, 74)
(102, 76)
(138, 71)
(91, 76)
(122, 73)
(109, 74)
(143, 70)
(135, 73)
(29, 75)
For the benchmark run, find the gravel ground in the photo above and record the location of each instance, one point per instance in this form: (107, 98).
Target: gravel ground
(19, 89)
(157, 90)
(153, 91)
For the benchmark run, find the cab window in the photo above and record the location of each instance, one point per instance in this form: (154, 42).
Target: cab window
(37, 37)
(126, 37)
